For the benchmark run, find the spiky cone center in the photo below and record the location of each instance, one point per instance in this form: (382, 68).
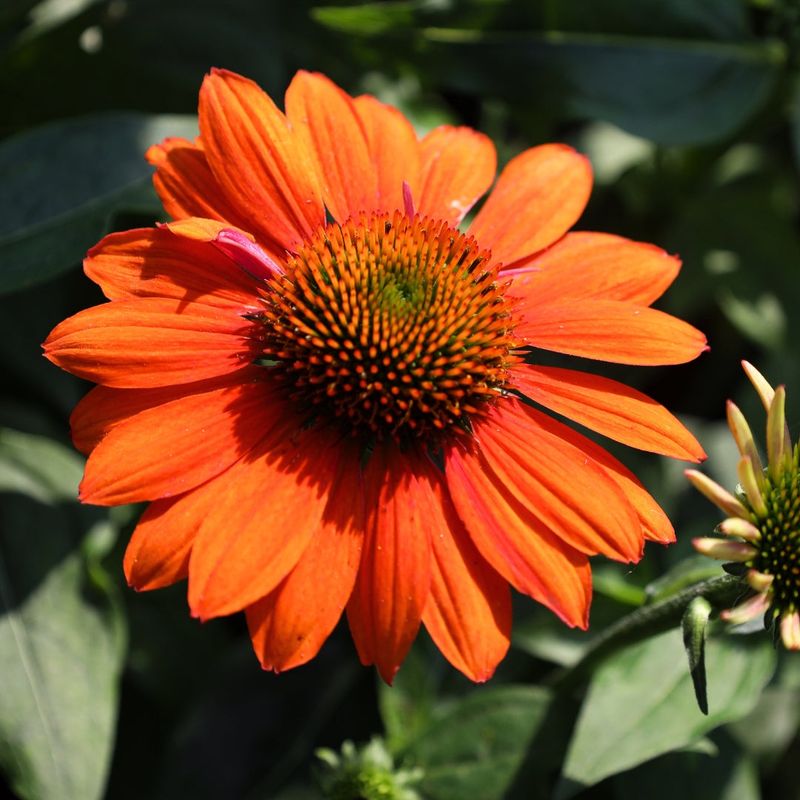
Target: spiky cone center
(778, 549)
(391, 325)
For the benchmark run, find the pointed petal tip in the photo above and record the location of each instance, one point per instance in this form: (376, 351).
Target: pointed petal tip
(760, 384)
(388, 672)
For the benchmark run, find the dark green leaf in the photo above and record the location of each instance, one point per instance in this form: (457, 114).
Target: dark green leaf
(640, 703)
(407, 706)
(727, 774)
(671, 91)
(476, 748)
(62, 184)
(369, 19)
(38, 467)
(61, 640)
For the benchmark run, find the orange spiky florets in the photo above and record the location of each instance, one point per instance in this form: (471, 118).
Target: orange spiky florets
(395, 324)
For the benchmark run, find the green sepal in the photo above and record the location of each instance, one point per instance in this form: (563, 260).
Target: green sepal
(694, 624)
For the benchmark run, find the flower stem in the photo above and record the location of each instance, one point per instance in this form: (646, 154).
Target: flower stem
(645, 622)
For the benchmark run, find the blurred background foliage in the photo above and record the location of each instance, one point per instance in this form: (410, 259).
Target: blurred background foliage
(690, 113)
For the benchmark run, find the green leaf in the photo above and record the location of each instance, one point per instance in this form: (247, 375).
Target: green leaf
(63, 183)
(640, 703)
(370, 19)
(38, 467)
(476, 748)
(794, 119)
(61, 645)
(406, 707)
(727, 774)
(669, 90)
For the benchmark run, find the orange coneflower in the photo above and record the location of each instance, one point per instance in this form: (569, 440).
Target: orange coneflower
(328, 392)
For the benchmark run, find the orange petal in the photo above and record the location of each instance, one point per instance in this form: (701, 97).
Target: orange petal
(158, 552)
(103, 408)
(403, 514)
(468, 613)
(262, 166)
(267, 508)
(393, 148)
(655, 524)
(595, 266)
(610, 330)
(178, 445)
(517, 545)
(458, 166)
(154, 262)
(325, 118)
(150, 342)
(557, 484)
(538, 197)
(186, 185)
(610, 408)
(290, 624)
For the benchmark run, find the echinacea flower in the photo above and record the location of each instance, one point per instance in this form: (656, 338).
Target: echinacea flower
(328, 392)
(763, 517)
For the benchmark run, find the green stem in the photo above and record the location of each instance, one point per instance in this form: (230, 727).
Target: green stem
(647, 621)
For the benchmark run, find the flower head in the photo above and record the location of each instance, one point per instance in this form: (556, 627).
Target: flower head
(329, 393)
(763, 524)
